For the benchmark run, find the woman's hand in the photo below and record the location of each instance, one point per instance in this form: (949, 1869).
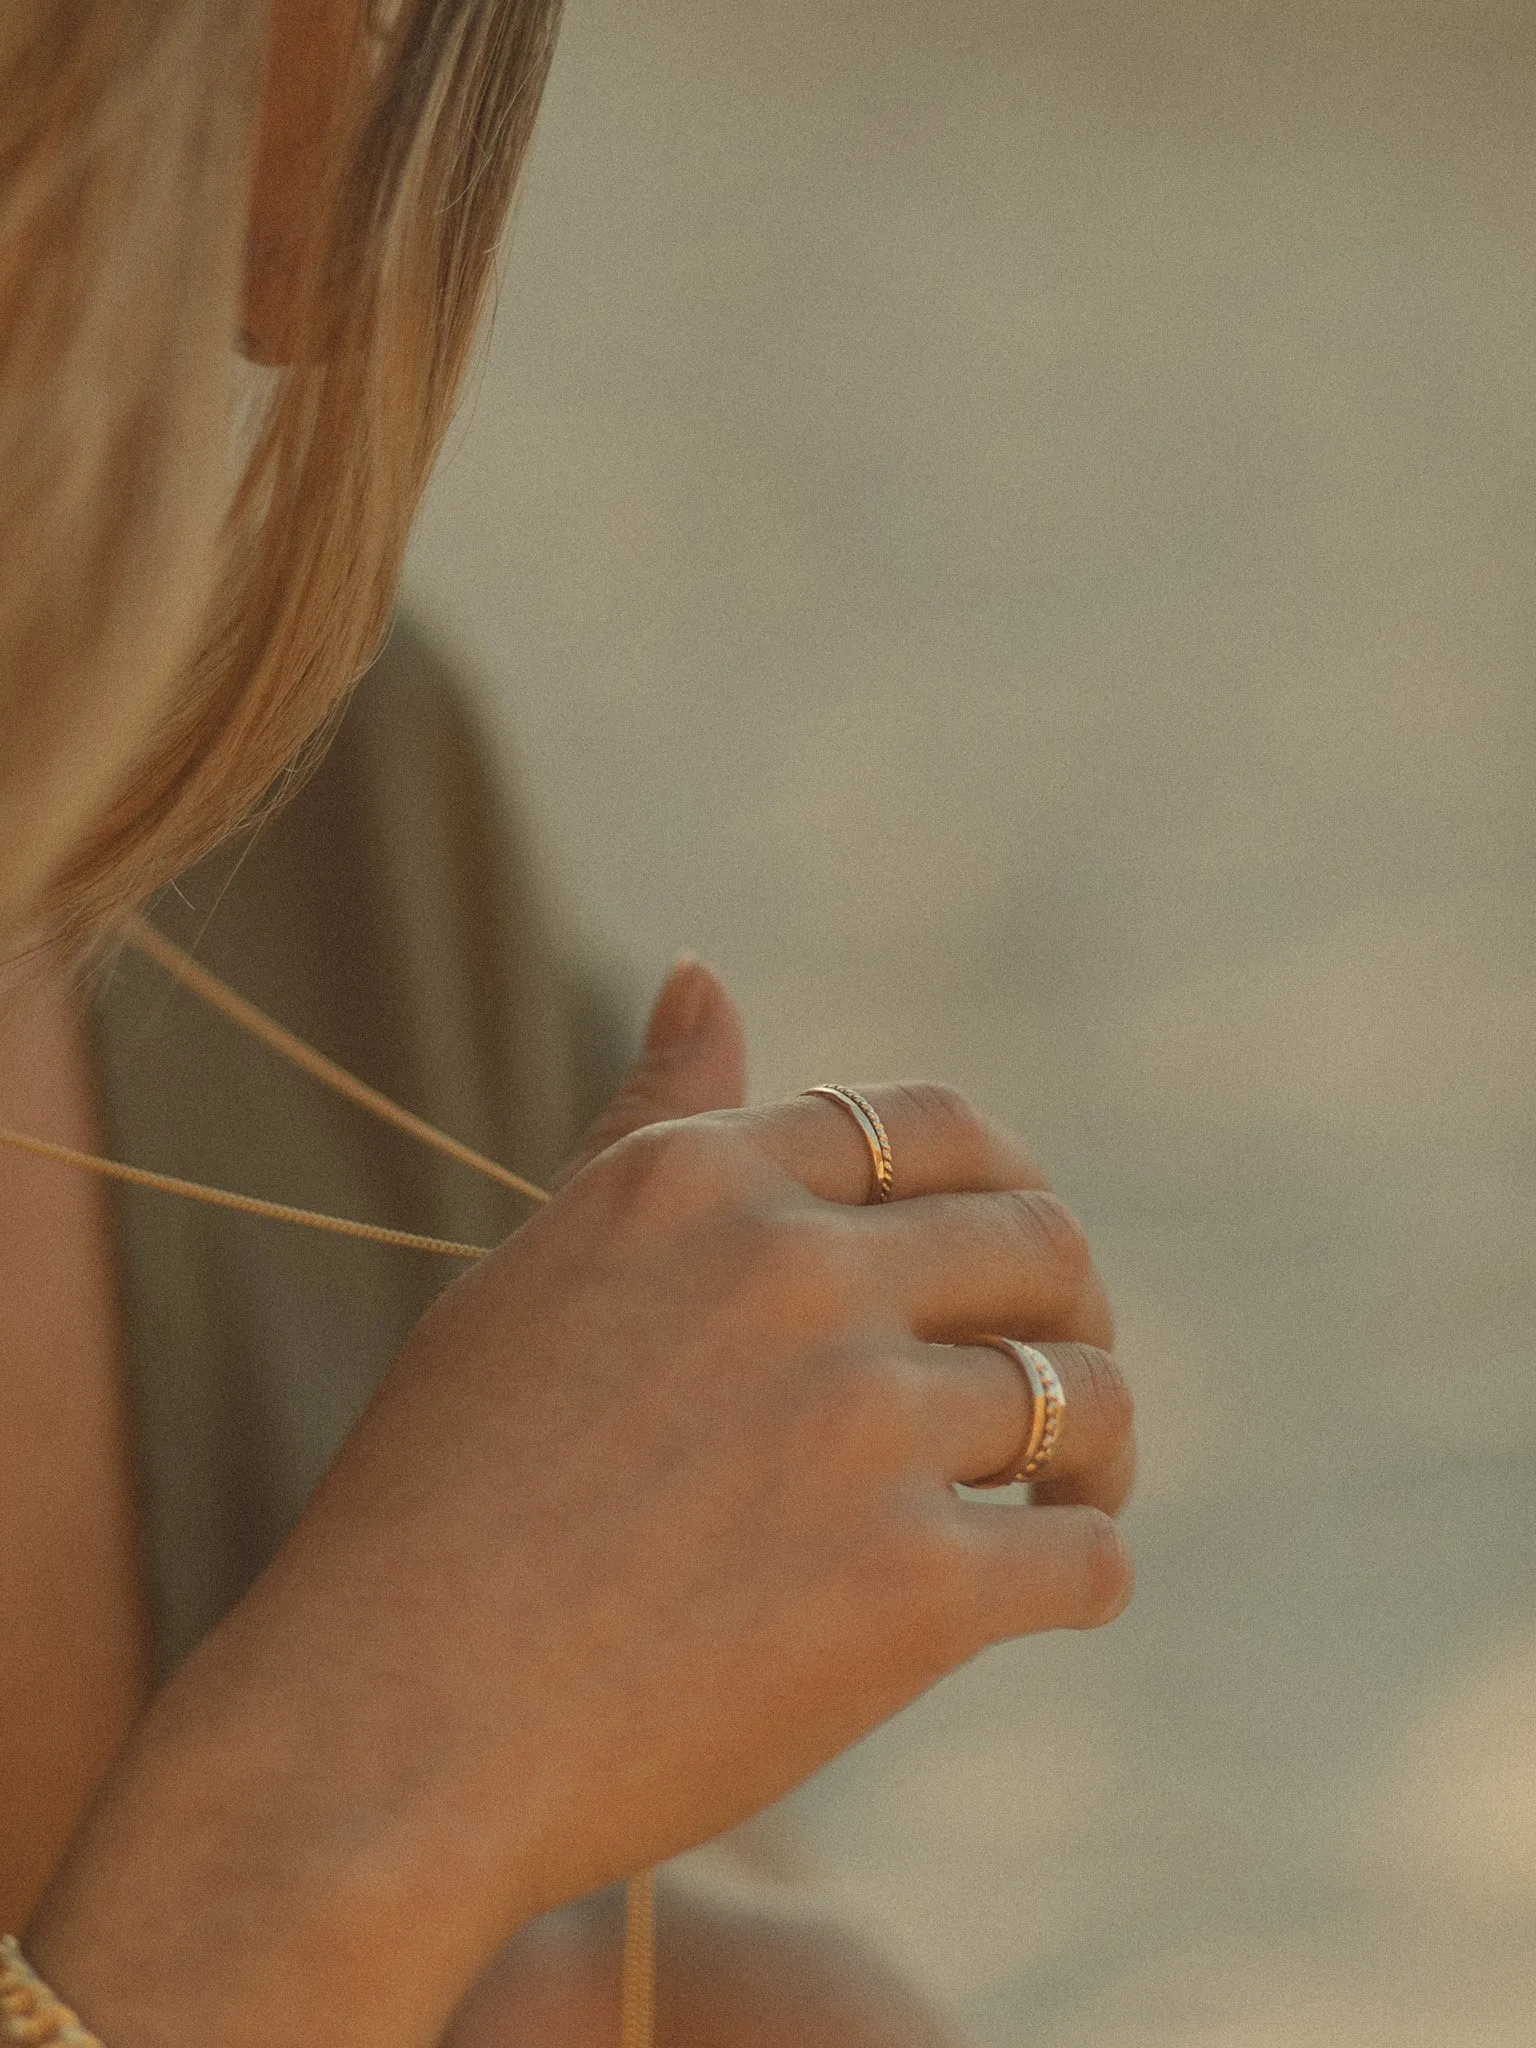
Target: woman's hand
(652, 1516)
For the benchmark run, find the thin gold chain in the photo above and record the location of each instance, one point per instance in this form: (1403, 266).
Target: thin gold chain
(226, 1198)
(277, 1038)
(637, 1990)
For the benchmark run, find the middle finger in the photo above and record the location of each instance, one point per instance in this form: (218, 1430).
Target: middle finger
(1011, 1260)
(982, 1408)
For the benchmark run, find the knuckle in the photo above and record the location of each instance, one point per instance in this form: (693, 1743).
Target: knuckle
(1108, 1577)
(1099, 1384)
(675, 1166)
(1059, 1232)
(939, 1100)
(940, 1112)
(1056, 1241)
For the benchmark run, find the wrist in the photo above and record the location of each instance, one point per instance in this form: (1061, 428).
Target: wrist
(251, 1876)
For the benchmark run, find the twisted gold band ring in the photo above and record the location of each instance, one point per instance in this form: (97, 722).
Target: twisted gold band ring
(867, 1117)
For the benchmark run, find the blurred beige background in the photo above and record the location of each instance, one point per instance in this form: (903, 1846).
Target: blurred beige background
(1009, 527)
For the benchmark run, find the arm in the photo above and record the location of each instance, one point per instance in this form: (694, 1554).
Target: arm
(650, 1518)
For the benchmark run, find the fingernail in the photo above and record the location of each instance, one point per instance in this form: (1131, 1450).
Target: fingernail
(680, 1006)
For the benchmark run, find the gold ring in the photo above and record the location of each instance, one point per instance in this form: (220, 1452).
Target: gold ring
(867, 1117)
(1048, 1405)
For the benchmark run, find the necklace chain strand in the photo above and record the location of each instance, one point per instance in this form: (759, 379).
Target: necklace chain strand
(277, 1038)
(637, 1988)
(226, 1198)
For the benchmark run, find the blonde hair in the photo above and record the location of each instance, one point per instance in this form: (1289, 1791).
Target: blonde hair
(173, 640)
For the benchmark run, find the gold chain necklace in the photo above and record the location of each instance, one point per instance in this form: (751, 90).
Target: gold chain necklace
(637, 1997)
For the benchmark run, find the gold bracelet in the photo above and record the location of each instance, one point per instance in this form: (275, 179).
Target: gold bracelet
(28, 2009)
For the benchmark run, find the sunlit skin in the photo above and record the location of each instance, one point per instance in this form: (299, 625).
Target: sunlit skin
(544, 1627)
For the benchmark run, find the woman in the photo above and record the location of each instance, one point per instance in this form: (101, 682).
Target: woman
(653, 1512)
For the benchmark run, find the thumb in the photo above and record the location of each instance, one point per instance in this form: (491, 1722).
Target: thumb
(694, 1057)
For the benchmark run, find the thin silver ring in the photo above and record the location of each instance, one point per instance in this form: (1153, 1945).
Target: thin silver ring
(867, 1117)
(1048, 1407)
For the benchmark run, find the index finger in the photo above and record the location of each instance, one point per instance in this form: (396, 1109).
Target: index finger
(940, 1144)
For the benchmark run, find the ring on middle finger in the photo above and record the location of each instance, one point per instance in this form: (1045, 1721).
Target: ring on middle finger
(1048, 1407)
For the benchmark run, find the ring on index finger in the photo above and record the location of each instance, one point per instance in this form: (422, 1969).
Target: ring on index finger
(1048, 1406)
(867, 1117)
